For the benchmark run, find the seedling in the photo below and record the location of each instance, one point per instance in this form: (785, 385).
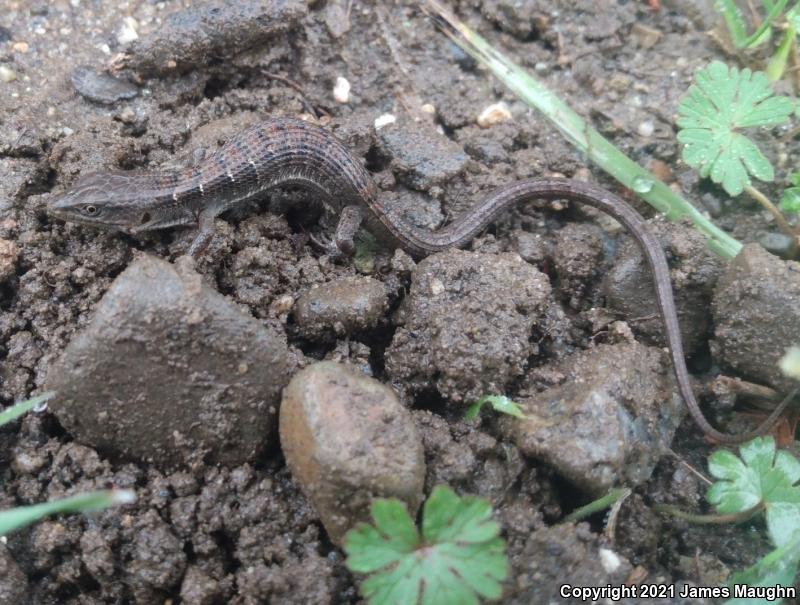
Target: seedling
(499, 403)
(762, 479)
(723, 101)
(17, 518)
(458, 558)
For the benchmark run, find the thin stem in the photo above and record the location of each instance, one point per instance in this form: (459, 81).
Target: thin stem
(740, 517)
(773, 210)
(595, 506)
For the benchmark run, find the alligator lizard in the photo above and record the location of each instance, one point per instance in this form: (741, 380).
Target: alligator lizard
(285, 151)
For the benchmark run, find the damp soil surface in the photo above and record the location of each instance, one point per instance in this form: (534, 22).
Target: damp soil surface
(551, 299)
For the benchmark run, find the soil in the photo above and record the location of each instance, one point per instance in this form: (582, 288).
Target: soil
(205, 531)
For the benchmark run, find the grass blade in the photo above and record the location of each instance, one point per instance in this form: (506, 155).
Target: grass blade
(599, 149)
(18, 409)
(17, 518)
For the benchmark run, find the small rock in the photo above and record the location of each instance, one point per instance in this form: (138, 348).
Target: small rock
(608, 422)
(778, 243)
(384, 120)
(422, 156)
(8, 258)
(13, 583)
(101, 87)
(428, 108)
(127, 33)
(341, 90)
(340, 307)
(20, 47)
(465, 325)
(494, 114)
(646, 37)
(347, 440)
(7, 74)
(757, 315)
(646, 128)
(170, 370)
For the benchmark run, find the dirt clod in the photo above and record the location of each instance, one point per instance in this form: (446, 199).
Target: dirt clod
(169, 369)
(465, 324)
(8, 258)
(757, 314)
(422, 156)
(13, 583)
(348, 440)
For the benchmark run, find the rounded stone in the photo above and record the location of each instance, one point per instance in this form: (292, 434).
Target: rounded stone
(340, 307)
(347, 440)
(169, 370)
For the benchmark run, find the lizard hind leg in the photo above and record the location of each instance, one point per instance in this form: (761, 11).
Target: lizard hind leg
(205, 233)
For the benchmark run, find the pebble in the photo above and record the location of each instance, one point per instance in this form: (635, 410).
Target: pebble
(169, 371)
(20, 47)
(494, 114)
(340, 307)
(384, 120)
(127, 33)
(646, 128)
(101, 87)
(9, 252)
(7, 74)
(347, 440)
(341, 90)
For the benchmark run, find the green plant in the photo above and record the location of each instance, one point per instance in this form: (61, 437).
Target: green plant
(499, 403)
(760, 478)
(774, 19)
(718, 106)
(458, 557)
(790, 200)
(17, 518)
(722, 102)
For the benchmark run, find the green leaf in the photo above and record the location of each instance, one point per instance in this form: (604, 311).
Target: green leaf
(499, 403)
(458, 558)
(790, 363)
(760, 476)
(790, 200)
(777, 568)
(17, 518)
(722, 101)
(18, 409)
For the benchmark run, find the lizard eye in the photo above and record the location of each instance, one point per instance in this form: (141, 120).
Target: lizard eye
(90, 210)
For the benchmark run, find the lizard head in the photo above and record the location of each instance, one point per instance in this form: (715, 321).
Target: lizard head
(104, 199)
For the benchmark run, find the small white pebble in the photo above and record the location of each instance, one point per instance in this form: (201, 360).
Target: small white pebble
(646, 128)
(74, 3)
(7, 74)
(341, 90)
(104, 48)
(384, 120)
(20, 47)
(127, 32)
(494, 114)
(39, 30)
(609, 560)
(437, 287)
(428, 108)
(67, 130)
